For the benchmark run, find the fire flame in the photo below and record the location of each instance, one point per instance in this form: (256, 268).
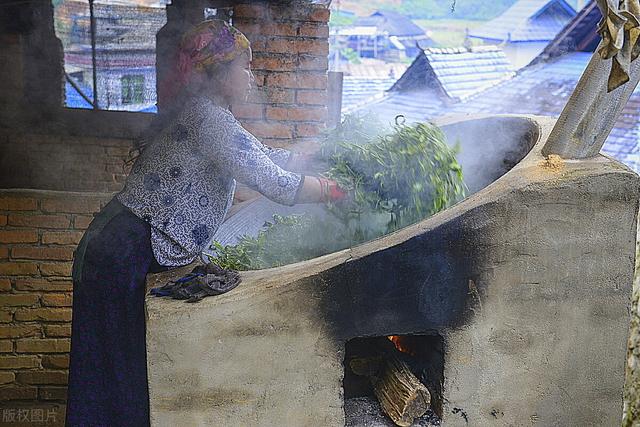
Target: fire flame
(401, 344)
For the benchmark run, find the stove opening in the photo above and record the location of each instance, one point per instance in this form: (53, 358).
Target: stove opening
(394, 380)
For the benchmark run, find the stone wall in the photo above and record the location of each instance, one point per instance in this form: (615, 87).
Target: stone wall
(528, 282)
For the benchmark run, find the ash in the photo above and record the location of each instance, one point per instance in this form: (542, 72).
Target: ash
(366, 412)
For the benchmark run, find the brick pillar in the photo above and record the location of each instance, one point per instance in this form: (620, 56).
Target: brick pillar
(181, 15)
(290, 43)
(31, 67)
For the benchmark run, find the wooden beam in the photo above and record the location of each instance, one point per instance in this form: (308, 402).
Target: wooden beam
(591, 111)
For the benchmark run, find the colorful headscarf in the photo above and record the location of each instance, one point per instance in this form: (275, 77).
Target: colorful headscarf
(209, 43)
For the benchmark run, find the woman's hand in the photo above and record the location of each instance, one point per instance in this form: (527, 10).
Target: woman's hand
(320, 190)
(331, 191)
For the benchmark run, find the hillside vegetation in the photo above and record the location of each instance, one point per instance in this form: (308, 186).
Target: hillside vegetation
(431, 9)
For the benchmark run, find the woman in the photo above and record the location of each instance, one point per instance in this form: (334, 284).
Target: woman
(175, 198)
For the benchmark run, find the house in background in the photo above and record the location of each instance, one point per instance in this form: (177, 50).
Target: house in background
(337, 13)
(579, 36)
(526, 28)
(369, 80)
(438, 78)
(541, 88)
(456, 73)
(384, 35)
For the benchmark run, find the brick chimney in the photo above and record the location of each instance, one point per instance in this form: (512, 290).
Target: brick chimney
(290, 44)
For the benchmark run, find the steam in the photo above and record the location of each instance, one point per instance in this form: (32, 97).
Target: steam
(489, 147)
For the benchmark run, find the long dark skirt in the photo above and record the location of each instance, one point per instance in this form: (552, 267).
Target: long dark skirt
(108, 363)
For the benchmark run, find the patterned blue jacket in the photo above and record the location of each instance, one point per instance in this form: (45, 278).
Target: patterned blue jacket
(183, 182)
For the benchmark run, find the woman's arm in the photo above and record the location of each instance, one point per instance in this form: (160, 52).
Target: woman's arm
(239, 154)
(293, 161)
(280, 156)
(299, 162)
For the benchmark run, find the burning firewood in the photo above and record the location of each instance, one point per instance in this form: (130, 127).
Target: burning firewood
(400, 394)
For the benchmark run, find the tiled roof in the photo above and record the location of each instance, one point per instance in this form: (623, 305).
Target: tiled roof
(541, 89)
(526, 21)
(370, 67)
(393, 23)
(458, 73)
(416, 106)
(367, 80)
(580, 34)
(358, 91)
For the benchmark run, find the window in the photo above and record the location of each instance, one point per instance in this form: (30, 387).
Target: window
(132, 89)
(110, 52)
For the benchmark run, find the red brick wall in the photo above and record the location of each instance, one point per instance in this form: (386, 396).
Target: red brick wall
(39, 231)
(63, 162)
(290, 47)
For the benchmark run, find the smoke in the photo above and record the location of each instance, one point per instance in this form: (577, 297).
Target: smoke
(488, 147)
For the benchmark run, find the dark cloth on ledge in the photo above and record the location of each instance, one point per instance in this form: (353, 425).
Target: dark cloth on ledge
(203, 281)
(108, 367)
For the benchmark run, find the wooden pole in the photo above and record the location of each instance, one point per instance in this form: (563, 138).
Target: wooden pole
(77, 88)
(93, 55)
(335, 98)
(400, 393)
(591, 111)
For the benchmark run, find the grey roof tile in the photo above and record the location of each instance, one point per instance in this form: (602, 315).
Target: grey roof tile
(395, 24)
(357, 90)
(540, 89)
(527, 20)
(458, 72)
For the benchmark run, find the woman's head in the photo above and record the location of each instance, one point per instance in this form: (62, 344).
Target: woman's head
(229, 81)
(213, 59)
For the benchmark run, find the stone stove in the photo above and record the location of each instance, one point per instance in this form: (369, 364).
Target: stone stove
(527, 281)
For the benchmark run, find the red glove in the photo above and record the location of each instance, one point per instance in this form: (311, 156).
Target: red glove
(330, 191)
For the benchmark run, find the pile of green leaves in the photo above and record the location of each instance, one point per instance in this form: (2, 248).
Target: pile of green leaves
(285, 240)
(406, 175)
(394, 179)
